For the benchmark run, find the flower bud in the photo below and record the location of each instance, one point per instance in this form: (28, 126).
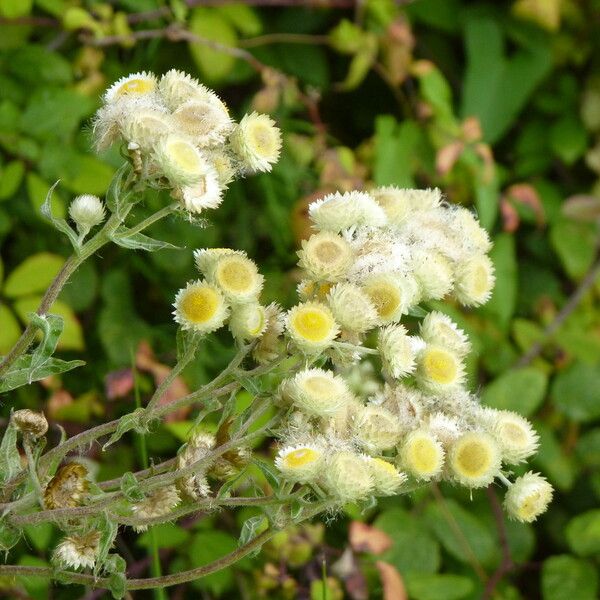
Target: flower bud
(29, 422)
(348, 477)
(78, 550)
(528, 497)
(87, 211)
(257, 142)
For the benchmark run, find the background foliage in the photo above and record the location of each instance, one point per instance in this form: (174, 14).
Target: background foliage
(495, 102)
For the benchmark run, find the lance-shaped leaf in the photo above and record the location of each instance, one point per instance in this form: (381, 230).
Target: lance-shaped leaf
(57, 222)
(127, 422)
(138, 241)
(21, 372)
(10, 461)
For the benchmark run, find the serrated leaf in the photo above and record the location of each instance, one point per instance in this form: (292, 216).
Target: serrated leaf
(139, 241)
(33, 275)
(57, 222)
(21, 373)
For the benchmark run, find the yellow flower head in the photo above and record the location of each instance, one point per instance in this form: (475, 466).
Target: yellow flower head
(336, 212)
(528, 497)
(434, 273)
(469, 231)
(515, 436)
(204, 121)
(439, 369)
(300, 463)
(200, 307)
(439, 329)
(386, 478)
(474, 281)
(392, 295)
(311, 326)
(318, 392)
(180, 161)
(146, 126)
(134, 86)
(267, 347)
(325, 256)
(206, 258)
(422, 455)
(474, 459)
(348, 477)
(238, 278)
(248, 321)
(257, 142)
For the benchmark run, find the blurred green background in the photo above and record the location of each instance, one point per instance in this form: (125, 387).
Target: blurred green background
(497, 103)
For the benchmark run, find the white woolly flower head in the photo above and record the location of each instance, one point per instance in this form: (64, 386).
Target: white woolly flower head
(515, 435)
(146, 126)
(207, 192)
(348, 477)
(301, 463)
(434, 273)
(387, 480)
(78, 550)
(528, 497)
(200, 307)
(325, 256)
(311, 326)
(422, 455)
(338, 211)
(446, 428)
(135, 86)
(352, 308)
(158, 503)
(248, 321)
(267, 348)
(257, 142)
(439, 329)
(474, 459)
(392, 294)
(87, 211)
(237, 277)
(318, 392)
(180, 161)
(206, 258)
(395, 202)
(467, 229)
(439, 369)
(177, 87)
(474, 281)
(376, 429)
(205, 121)
(397, 350)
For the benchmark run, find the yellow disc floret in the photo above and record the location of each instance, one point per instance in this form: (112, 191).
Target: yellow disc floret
(474, 459)
(311, 326)
(438, 368)
(300, 463)
(201, 307)
(422, 455)
(238, 277)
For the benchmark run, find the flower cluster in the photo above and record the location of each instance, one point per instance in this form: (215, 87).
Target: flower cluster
(180, 134)
(374, 257)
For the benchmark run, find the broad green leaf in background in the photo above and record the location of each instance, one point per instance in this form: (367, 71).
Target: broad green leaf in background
(558, 466)
(39, 194)
(576, 392)
(33, 275)
(496, 87)
(87, 175)
(439, 587)
(583, 533)
(206, 547)
(11, 176)
(36, 65)
(568, 578)
(13, 9)
(575, 244)
(243, 17)
(521, 391)
(169, 534)
(501, 305)
(209, 24)
(10, 330)
(568, 139)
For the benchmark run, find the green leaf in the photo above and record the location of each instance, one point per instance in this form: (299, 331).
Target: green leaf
(36, 65)
(139, 241)
(116, 566)
(40, 535)
(168, 534)
(521, 391)
(583, 533)
(271, 475)
(33, 275)
(10, 330)
(10, 459)
(206, 547)
(37, 190)
(575, 244)
(475, 535)
(243, 17)
(568, 578)
(116, 197)
(568, 139)
(414, 549)
(21, 374)
(108, 532)
(13, 9)
(251, 528)
(496, 88)
(11, 177)
(128, 422)
(9, 536)
(438, 587)
(576, 392)
(210, 25)
(72, 335)
(131, 487)
(553, 461)
(57, 222)
(87, 175)
(501, 305)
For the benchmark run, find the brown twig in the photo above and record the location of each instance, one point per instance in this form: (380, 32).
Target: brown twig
(507, 564)
(572, 303)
